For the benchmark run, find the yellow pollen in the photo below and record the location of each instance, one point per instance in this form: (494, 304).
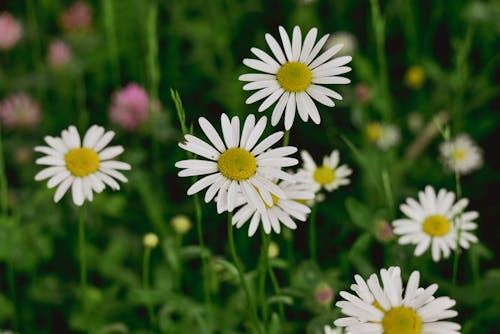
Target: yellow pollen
(373, 131)
(237, 164)
(459, 154)
(82, 161)
(436, 225)
(402, 320)
(294, 77)
(324, 175)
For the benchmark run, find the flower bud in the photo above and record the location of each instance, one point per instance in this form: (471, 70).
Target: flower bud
(323, 294)
(273, 250)
(181, 224)
(150, 240)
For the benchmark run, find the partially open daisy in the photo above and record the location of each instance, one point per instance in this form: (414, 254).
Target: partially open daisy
(376, 310)
(85, 166)
(294, 77)
(329, 175)
(461, 154)
(280, 211)
(238, 164)
(436, 222)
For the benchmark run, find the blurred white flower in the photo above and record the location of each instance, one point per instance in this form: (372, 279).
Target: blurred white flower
(19, 111)
(383, 135)
(347, 39)
(436, 222)
(462, 154)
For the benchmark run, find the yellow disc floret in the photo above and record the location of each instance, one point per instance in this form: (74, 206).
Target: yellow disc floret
(324, 175)
(373, 131)
(402, 320)
(436, 225)
(237, 164)
(458, 154)
(82, 161)
(415, 77)
(294, 77)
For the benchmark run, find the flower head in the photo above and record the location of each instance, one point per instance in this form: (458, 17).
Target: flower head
(129, 108)
(181, 224)
(377, 310)
(415, 77)
(10, 31)
(329, 175)
(237, 165)
(436, 222)
(150, 240)
(383, 231)
(383, 135)
(85, 166)
(295, 77)
(363, 93)
(273, 250)
(461, 154)
(19, 111)
(345, 38)
(282, 211)
(77, 17)
(323, 294)
(59, 54)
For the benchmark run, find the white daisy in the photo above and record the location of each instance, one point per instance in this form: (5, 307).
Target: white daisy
(376, 310)
(435, 222)
(280, 211)
(329, 175)
(294, 77)
(462, 154)
(85, 166)
(383, 135)
(331, 330)
(238, 164)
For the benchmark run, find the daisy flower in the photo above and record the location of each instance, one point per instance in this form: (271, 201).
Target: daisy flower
(435, 222)
(294, 77)
(239, 164)
(461, 154)
(85, 166)
(383, 135)
(280, 211)
(329, 175)
(376, 310)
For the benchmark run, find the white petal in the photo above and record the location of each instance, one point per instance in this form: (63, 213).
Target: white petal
(77, 192)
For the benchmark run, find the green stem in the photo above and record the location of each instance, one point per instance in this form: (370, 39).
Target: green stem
(3, 180)
(456, 256)
(109, 24)
(12, 290)
(312, 234)
(81, 97)
(152, 55)
(264, 262)
(379, 30)
(286, 138)
(81, 245)
(388, 192)
(277, 291)
(204, 260)
(241, 275)
(145, 285)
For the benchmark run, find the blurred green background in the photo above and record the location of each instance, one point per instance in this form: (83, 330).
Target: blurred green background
(197, 47)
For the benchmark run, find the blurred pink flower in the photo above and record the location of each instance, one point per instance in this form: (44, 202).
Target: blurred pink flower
(77, 17)
(323, 294)
(363, 93)
(59, 53)
(10, 31)
(19, 111)
(383, 231)
(129, 107)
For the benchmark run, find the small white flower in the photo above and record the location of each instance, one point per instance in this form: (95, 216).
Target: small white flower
(376, 310)
(329, 175)
(435, 221)
(383, 135)
(294, 77)
(239, 164)
(331, 330)
(280, 211)
(346, 38)
(85, 166)
(462, 154)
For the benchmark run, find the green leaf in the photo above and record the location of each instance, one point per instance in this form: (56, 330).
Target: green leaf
(280, 299)
(359, 214)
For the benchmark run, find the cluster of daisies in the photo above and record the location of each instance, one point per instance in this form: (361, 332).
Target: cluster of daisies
(246, 172)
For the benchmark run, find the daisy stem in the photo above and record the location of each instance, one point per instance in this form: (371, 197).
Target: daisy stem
(3, 180)
(145, 284)
(312, 234)
(388, 192)
(81, 245)
(241, 275)
(109, 25)
(152, 47)
(456, 256)
(286, 137)
(264, 263)
(277, 291)
(204, 264)
(81, 97)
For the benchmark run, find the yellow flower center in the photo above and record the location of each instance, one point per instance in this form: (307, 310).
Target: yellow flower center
(402, 320)
(373, 132)
(82, 161)
(237, 164)
(324, 175)
(436, 225)
(294, 77)
(415, 77)
(459, 154)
